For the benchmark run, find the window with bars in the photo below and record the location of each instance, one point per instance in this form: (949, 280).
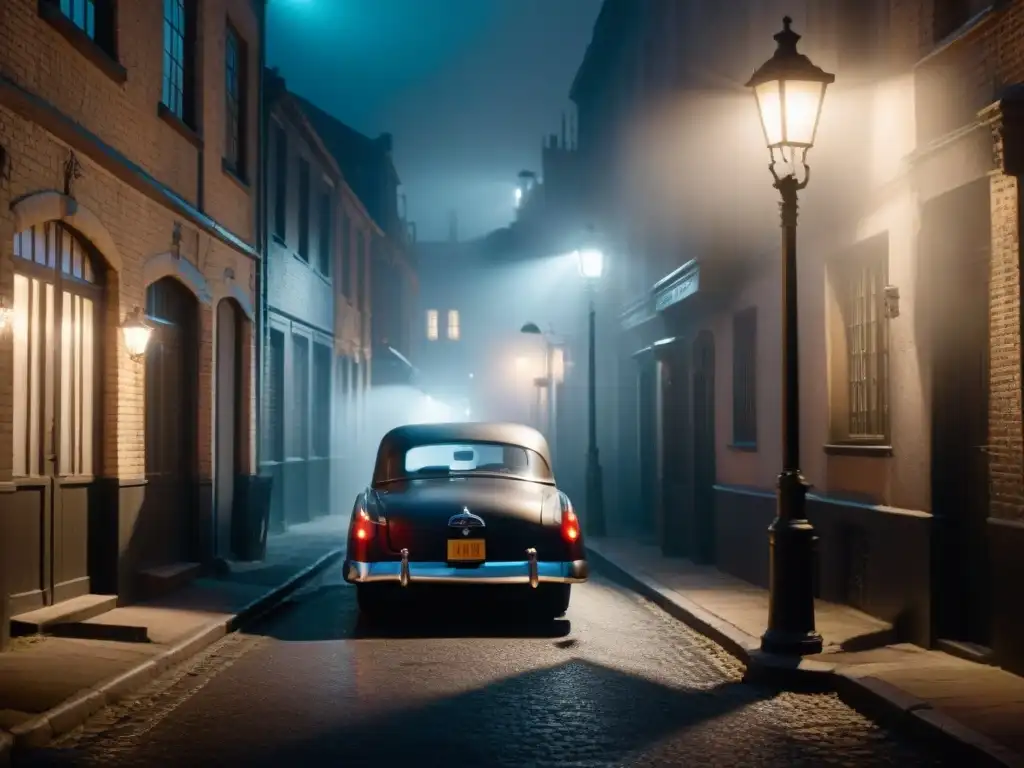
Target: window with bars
(453, 324)
(859, 288)
(235, 58)
(280, 183)
(304, 214)
(432, 325)
(744, 378)
(325, 235)
(179, 55)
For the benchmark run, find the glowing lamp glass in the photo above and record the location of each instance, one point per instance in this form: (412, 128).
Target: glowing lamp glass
(591, 263)
(789, 111)
(137, 333)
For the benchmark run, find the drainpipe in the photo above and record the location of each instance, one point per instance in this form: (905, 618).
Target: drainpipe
(261, 235)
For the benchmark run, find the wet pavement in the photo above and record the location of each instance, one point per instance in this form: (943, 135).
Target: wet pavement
(616, 683)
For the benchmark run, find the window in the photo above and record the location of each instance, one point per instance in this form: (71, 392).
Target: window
(360, 298)
(235, 85)
(300, 397)
(432, 325)
(326, 233)
(346, 256)
(304, 209)
(744, 378)
(453, 324)
(275, 397)
(54, 341)
(82, 14)
(442, 459)
(179, 55)
(321, 400)
(280, 182)
(859, 338)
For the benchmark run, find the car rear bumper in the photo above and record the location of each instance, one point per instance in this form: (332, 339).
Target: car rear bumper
(528, 571)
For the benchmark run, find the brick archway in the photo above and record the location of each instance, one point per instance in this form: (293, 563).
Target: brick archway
(41, 207)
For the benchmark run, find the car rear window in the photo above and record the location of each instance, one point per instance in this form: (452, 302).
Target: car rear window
(447, 459)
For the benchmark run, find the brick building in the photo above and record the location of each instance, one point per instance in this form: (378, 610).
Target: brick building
(317, 259)
(909, 299)
(369, 167)
(126, 179)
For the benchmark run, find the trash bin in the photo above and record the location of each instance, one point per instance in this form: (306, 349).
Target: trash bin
(252, 505)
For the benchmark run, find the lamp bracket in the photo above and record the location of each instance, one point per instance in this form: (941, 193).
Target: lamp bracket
(790, 179)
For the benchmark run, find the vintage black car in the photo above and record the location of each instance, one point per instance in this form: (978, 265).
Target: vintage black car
(464, 504)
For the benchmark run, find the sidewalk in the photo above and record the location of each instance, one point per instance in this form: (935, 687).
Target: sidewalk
(49, 685)
(971, 706)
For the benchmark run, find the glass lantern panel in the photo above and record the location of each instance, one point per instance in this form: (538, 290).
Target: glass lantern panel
(802, 104)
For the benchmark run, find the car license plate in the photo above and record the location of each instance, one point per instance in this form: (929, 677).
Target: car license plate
(466, 550)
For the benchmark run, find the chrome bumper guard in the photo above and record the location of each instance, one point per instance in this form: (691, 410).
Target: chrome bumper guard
(529, 571)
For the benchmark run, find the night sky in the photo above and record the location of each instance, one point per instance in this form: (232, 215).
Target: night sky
(469, 88)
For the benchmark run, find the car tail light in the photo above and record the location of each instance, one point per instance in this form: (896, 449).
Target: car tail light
(570, 523)
(364, 526)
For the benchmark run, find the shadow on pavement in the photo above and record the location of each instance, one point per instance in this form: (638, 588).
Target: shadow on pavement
(329, 612)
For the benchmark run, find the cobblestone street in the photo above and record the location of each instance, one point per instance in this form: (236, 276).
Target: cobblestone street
(618, 683)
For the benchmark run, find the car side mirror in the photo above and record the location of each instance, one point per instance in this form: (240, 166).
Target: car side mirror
(465, 455)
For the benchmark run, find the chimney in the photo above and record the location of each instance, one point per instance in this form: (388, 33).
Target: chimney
(564, 145)
(385, 141)
(453, 227)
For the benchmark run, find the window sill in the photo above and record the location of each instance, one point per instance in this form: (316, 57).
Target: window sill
(743, 447)
(81, 42)
(856, 449)
(232, 174)
(279, 239)
(167, 115)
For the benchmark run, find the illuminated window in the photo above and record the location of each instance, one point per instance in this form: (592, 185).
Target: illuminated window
(859, 337)
(432, 324)
(453, 324)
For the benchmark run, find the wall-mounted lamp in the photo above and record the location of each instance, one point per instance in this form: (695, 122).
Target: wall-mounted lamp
(892, 301)
(136, 334)
(6, 317)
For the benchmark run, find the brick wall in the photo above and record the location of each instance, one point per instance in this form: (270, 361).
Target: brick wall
(124, 115)
(1006, 466)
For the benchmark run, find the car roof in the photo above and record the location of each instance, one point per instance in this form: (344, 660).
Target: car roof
(403, 438)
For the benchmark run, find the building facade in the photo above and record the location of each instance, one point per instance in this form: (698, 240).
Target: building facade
(909, 301)
(369, 168)
(126, 180)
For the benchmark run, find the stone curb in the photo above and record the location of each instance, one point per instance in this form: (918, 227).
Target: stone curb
(876, 699)
(76, 710)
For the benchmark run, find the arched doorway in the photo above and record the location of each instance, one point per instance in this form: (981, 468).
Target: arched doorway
(165, 532)
(58, 304)
(226, 430)
(704, 448)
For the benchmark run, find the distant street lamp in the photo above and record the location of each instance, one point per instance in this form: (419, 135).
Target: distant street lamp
(789, 90)
(591, 264)
(136, 334)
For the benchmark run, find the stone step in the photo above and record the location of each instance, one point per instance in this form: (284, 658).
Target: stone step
(164, 579)
(70, 611)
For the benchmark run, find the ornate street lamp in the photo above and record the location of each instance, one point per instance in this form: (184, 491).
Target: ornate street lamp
(591, 263)
(136, 334)
(790, 90)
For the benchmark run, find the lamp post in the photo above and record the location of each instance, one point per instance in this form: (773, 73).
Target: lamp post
(591, 264)
(789, 90)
